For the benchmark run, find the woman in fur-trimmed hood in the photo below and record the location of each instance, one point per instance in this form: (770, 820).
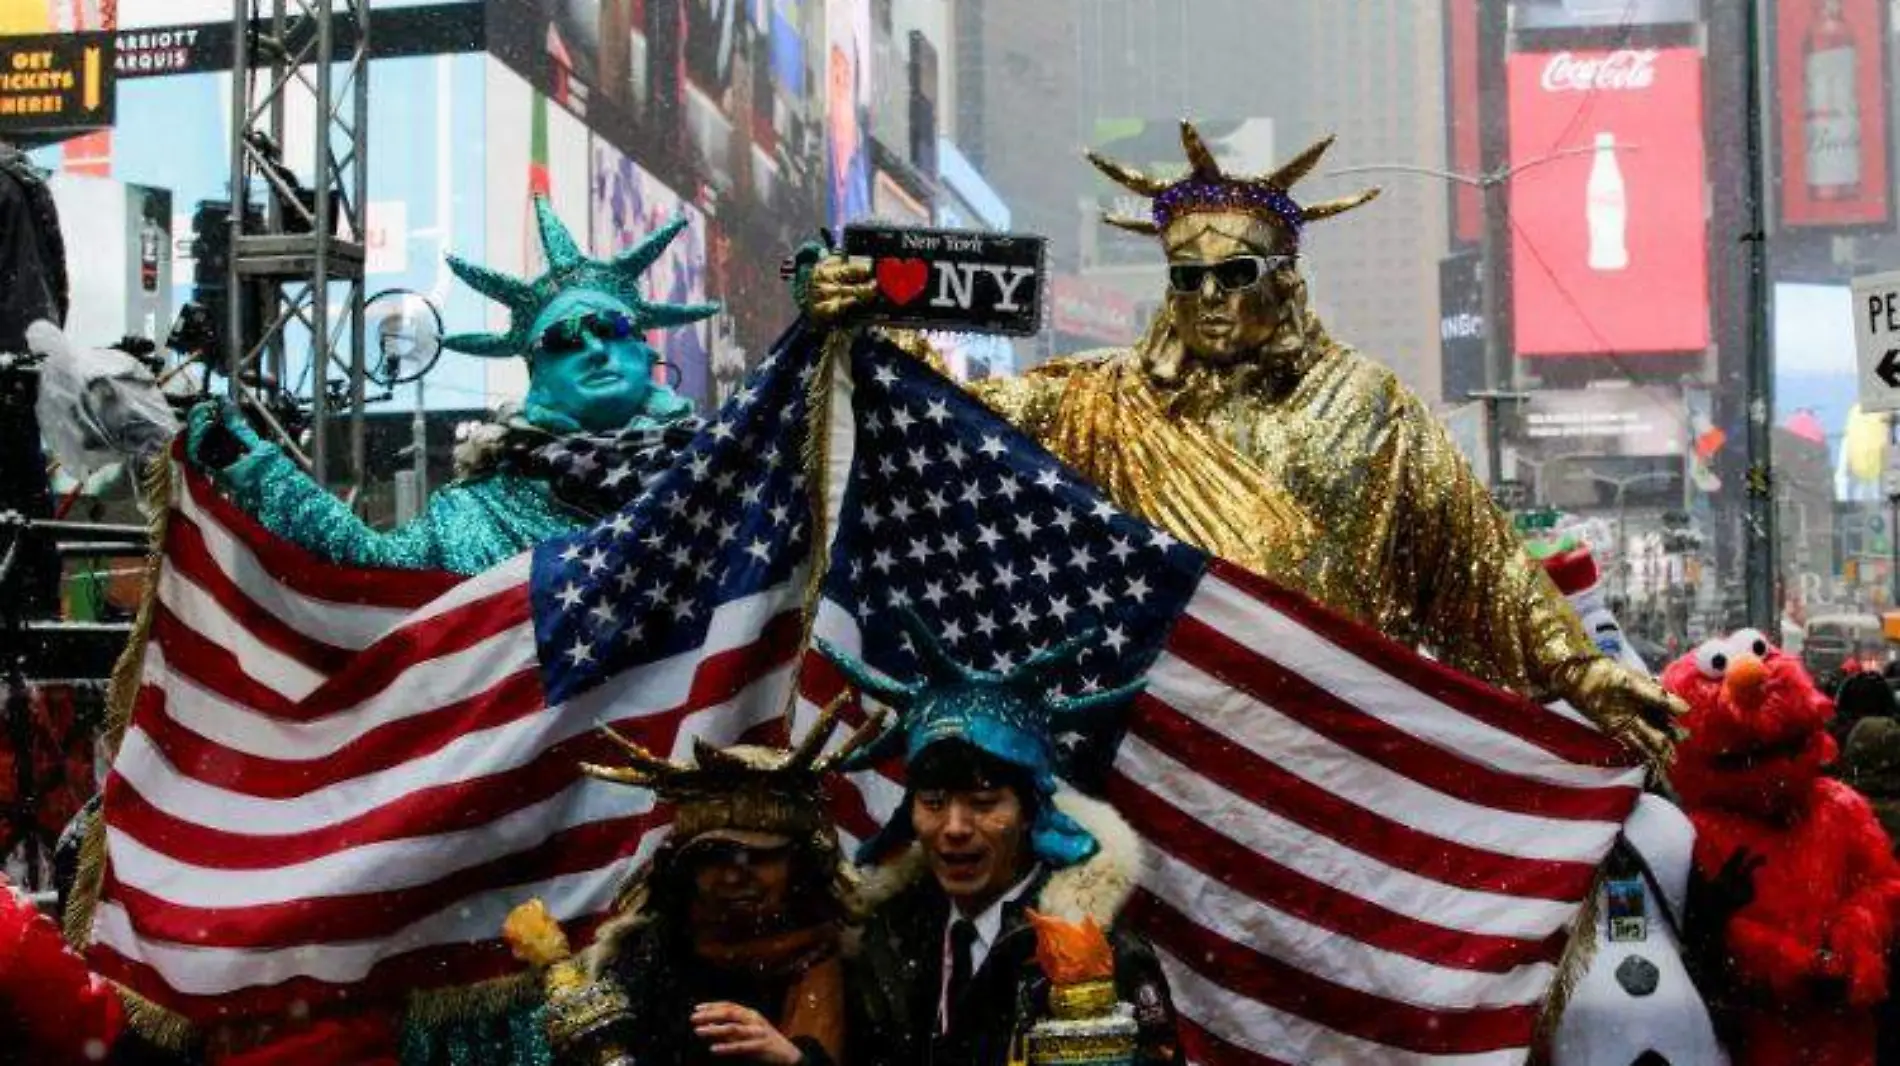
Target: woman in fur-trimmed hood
(727, 944)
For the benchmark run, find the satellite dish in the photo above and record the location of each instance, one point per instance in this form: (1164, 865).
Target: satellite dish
(405, 330)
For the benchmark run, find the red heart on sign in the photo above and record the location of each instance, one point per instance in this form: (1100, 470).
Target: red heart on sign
(902, 280)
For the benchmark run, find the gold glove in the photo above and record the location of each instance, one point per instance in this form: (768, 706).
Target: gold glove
(838, 288)
(583, 1014)
(1634, 710)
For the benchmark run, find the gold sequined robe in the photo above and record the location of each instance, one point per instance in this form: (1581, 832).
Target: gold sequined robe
(1329, 476)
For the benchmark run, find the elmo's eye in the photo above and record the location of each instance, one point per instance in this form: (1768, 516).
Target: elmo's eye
(1712, 659)
(1749, 642)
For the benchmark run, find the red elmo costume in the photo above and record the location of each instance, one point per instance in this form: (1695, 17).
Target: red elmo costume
(1807, 956)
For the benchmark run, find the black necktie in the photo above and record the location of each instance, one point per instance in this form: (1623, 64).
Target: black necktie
(962, 939)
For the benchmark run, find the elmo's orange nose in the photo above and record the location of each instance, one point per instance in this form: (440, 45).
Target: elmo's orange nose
(1744, 679)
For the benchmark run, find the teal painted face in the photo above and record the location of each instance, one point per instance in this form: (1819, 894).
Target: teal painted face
(589, 368)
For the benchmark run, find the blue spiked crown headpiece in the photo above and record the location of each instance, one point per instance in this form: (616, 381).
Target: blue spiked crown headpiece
(569, 269)
(1012, 716)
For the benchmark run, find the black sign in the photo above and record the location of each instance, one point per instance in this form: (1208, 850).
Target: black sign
(1461, 325)
(56, 81)
(1616, 14)
(196, 48)
(171, 50)
(954, 279)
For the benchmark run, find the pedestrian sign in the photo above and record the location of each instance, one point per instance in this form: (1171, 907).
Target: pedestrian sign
(1877, 340)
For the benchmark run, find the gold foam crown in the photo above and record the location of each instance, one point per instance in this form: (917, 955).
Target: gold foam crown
(744, 787)
(1206, 187)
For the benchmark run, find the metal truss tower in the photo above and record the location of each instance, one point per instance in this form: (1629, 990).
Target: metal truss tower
(300, 65)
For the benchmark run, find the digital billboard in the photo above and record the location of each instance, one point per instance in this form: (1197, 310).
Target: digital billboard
(1831, 113)
(627, 203)
(847, 105)
(1609, 242)
(717, 101)
(1582, 14)
(1580, 443)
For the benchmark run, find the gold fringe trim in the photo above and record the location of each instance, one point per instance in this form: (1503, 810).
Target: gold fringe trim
(817, 460)
(1578, 955)
(486, 999)
(163, 1028)
(121, 693)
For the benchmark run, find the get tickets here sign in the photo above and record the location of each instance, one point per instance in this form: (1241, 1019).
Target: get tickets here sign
(57, 81)
(953, 279)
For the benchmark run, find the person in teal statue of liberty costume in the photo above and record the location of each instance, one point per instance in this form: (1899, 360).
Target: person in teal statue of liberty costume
(594, 425)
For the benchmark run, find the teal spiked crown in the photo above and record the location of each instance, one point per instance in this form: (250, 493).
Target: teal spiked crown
(1012, 716)
(569, 269)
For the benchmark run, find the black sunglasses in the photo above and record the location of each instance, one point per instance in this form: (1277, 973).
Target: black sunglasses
(1230, 275)
(570, 334)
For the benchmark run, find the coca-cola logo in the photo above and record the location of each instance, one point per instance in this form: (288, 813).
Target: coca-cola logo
(1625, 68)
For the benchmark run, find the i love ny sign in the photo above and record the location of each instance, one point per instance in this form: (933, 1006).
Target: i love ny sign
(953, 279)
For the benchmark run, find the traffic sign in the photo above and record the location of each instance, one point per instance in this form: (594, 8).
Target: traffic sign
(1877, 340)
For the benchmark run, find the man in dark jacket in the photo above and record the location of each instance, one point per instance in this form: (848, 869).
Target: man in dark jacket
(946, 972)
(32, 287)
(32, 253)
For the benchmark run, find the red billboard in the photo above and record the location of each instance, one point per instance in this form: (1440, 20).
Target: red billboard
(1464, 118)
(1831, 112)
(1609, 249)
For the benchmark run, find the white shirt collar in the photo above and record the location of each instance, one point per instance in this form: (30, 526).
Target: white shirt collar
(988, 926)
(989, 923)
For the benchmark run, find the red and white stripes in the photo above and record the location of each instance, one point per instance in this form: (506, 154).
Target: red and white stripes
(1355, 856)
(338, 779)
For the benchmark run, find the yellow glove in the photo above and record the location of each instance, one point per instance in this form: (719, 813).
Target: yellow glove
(1635, 710)
(837, 288)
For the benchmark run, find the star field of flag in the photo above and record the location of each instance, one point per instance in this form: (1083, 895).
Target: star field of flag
(731, 518)
(1001, 549)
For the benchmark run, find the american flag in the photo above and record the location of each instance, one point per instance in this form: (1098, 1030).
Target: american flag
(1353, 854)
(339, 781)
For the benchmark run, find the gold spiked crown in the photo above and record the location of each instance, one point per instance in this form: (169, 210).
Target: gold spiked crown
(747, 793)
(1205, 188)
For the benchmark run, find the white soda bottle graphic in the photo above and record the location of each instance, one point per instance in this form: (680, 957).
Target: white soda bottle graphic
(1606, 209)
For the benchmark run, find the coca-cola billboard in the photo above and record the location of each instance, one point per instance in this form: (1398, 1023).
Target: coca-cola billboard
(1831, 113)
(1609, 234)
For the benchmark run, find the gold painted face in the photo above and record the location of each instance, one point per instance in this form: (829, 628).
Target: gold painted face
(1234, 308)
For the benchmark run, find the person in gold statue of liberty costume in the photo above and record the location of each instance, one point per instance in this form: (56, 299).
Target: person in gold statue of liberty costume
(1239, 424)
